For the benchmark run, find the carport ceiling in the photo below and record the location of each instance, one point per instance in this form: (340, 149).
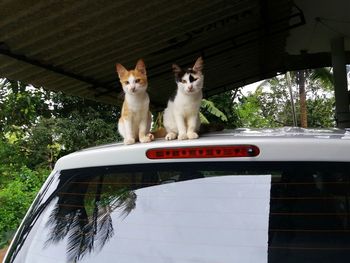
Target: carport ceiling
(72, 46)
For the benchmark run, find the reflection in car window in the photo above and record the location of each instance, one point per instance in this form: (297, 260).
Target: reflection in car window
(83, 213)
(146, 213)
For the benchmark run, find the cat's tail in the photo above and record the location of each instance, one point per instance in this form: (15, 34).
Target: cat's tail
(159, 130)
(210, 127)
(159, 133)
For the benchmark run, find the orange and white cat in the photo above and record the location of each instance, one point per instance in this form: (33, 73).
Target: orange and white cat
(135, 121)
(181, 117)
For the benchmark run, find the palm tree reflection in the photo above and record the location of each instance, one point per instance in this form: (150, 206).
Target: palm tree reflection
(83, 215)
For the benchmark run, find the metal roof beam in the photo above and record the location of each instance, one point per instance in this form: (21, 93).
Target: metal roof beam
(5, 50)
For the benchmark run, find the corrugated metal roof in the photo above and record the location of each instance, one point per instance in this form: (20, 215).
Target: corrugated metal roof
(72, 46)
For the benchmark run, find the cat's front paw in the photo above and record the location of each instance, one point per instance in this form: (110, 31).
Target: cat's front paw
(192, 135)
(170, 136)
(151, 136)
(128, 141)
(148, 138)
(182, 136)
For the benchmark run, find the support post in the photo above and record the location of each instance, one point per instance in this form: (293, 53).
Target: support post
(340, 83)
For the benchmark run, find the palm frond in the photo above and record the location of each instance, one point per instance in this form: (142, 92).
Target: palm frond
(158, 123)
(126, 202)
(59, 223)
(80, 238)
(203, 119)
(105, 227)
(324, 76)
(212, 109)
(267, 83)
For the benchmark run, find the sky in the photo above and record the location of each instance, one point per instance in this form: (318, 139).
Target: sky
(251, 87)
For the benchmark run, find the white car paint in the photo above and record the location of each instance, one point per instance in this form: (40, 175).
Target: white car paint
(284, 144)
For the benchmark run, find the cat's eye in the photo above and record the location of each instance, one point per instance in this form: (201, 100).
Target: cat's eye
(137, 80)
(126, 82)
(184, 81)
(192, 79)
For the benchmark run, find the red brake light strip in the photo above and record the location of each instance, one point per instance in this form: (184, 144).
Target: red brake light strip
(203, 152)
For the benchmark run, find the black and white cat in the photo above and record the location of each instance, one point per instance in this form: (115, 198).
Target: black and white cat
(181, 117)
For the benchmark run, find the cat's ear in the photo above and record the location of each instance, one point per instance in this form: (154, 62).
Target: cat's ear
(176, 69)
(198, 66)
(141, 67)
(120, 70)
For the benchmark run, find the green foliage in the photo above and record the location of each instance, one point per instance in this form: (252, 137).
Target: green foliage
(252, 114)
(270, 105)
(203, 119)
(36, 128)
(320, 112)
(157, 122)
(227, 103)
(20, 106)
(322, 77)
(85, 131)
(16, 197)
(11, 160)
(209, 106)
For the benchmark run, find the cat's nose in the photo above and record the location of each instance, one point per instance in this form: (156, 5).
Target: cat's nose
(190, 88)
(133, 89)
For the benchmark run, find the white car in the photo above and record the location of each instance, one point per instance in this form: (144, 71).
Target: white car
(277, 195)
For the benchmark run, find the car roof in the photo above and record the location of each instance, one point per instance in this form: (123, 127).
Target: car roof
(278, 144)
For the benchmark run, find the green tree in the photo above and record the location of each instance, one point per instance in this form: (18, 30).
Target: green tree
(15, 199)
(270, 104)
(36, 128)
(252, 112)
(208, 108)
(47, 125)
(11, 160)
(20, 105)
(227, 103)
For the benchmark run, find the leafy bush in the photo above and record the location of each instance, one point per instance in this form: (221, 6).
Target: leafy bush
(36, 128)
(15, 199)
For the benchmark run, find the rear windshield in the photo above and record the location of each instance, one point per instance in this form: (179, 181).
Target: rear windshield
(191, 212)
